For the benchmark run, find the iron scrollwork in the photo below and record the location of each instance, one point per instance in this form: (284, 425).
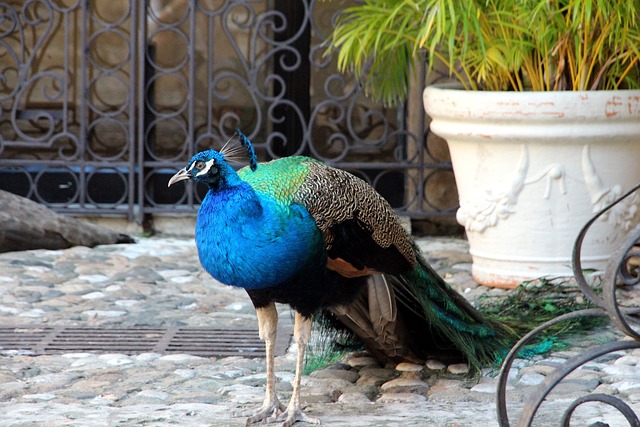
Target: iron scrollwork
(109, 98)
(616, 274)
(64, 133)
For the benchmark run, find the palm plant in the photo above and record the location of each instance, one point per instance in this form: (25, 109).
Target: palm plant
(492, 44)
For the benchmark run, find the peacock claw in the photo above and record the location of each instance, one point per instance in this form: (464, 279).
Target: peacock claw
(293, 415)
(266, 412)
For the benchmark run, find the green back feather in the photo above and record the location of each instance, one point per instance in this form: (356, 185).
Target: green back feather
(280, 179)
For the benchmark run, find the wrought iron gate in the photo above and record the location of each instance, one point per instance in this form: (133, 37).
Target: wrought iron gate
(100, 102)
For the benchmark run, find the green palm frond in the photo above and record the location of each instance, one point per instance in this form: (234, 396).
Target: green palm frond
(492, 44)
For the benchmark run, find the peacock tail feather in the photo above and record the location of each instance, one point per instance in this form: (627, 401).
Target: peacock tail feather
(451, 317)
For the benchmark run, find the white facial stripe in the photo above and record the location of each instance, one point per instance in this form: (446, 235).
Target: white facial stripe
(205, 170)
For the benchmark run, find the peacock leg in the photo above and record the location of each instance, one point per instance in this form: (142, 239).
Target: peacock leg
(268, 329)
(293, 413)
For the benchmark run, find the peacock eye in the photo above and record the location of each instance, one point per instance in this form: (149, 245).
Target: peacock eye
(199, 165)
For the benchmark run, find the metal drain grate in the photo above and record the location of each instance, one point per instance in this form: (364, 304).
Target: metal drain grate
(206, 342)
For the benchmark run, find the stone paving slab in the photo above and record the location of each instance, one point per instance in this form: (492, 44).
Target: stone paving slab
(159, 282)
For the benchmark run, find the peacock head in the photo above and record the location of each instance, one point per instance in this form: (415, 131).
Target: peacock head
(205, 167)
(210, 167)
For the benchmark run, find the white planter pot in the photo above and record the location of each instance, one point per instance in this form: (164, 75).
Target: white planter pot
(531, 168)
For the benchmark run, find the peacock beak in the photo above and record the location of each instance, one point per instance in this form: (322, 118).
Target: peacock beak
(181, 175)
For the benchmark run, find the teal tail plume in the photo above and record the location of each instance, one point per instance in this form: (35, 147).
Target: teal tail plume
(453, 322)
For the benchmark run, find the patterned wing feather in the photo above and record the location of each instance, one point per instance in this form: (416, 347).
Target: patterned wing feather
(337, 199)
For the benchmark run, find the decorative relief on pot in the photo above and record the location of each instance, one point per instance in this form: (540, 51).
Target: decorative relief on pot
(622, 215)
(487, 210)
(553, 172)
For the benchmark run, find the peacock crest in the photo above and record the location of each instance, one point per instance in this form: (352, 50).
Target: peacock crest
(235, 153)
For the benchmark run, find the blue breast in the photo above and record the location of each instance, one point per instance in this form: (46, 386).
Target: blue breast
(253, 242)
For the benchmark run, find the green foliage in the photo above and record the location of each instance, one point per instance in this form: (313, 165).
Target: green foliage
(492, 44)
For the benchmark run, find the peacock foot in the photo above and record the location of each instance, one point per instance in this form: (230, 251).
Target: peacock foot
(267, 411)
(293, 415)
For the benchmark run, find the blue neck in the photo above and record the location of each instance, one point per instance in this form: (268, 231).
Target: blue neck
(225, 178)
(247, 239)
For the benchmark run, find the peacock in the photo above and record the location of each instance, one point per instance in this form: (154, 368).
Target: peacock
(297, 231)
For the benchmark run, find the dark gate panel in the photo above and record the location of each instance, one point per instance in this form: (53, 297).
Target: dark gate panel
(101, 102)
(67, 110)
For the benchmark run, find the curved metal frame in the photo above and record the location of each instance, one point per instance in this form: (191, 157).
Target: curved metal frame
(607, 306)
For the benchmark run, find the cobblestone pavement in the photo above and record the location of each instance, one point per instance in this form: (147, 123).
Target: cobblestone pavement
(159, 282)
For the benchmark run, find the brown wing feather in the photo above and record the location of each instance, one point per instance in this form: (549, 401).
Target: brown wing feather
(373, 317)
(333, 197)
